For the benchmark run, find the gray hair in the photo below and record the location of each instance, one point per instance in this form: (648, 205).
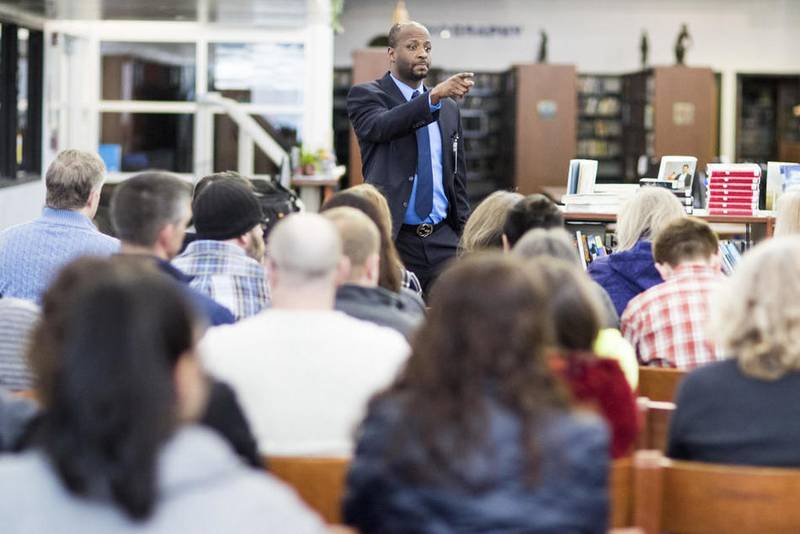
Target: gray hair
(551, 242)
(306, 247)
(645, 214)
(71, 178)
(756, 312)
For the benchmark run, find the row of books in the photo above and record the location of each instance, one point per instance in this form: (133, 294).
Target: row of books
(733, 188)
(730, 254)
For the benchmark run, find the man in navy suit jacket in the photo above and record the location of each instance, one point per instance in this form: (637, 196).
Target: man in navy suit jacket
(412, 151)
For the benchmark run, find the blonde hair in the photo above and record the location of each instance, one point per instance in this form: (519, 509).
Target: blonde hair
(756, 313)
(360, 237)
(644, 215)
(484, 228)
(392, 267)
(787, 220)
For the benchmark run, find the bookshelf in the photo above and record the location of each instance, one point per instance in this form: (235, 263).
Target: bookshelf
(668, 111)
(483, 122)
(767, 128)
(756, 227)
(599, 126)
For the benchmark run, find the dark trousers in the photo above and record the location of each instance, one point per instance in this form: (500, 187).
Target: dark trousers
(427, 256)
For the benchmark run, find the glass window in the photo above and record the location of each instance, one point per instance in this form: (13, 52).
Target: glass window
(148, 140)
(148, 71)
(259, 73)
(285, 129)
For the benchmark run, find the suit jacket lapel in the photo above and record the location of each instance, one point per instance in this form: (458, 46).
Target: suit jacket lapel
(388, 85)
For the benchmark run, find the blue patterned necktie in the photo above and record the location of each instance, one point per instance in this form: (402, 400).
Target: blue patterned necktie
(423, 204)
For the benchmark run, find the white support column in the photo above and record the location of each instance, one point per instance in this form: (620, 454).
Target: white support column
(204, 117)
(246, 154)
(727, 124)
(318, 99)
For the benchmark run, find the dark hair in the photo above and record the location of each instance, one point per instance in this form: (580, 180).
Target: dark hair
(497, 307)
(111, 400)
(685, 239)
(205, 181)
(533, 211)
(146, 203)
(572, 302)
(390, 264)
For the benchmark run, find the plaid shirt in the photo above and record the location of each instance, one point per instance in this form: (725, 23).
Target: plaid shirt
(225, 273)
(667, 323)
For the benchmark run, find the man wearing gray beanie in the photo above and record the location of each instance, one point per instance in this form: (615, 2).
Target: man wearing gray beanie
(226, 258)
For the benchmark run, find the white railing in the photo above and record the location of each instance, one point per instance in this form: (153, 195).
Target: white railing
(251, 134)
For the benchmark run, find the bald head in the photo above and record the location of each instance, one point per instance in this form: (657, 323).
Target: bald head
(360, 237)
(305, 248)
(400, 28)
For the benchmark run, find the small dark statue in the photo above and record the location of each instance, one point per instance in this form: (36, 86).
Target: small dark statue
(542, 47)
(682, 44)
(644, 48)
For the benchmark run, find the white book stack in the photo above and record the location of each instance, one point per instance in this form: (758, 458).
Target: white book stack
(605, 198)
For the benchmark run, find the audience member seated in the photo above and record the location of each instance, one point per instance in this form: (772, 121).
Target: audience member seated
(302, 370)
(359, 295)
(667, 324)
(557, 243)
(397, 279)
(787, 220)
(225, 258)
(477, 433)
(382, 217)
(533, 211)
(150, 212)
(631, 269)
(223, 412)
(16, 415)
(595, 383)
(484, 227)
(744, 410)
(32, 253)
(17, 318)
(117, 450)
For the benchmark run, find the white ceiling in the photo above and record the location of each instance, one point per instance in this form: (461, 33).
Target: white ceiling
(280, 13)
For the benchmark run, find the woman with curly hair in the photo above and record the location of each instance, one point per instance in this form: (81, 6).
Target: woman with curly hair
(477, 434)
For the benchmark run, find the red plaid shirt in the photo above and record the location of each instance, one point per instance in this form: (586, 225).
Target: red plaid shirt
(667, 323)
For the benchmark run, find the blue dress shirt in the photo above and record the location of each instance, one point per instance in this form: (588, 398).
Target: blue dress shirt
(440, 204)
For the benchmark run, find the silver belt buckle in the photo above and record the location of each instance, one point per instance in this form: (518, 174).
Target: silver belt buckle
(424, 230)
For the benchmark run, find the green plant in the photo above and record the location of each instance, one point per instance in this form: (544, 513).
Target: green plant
(337, 7)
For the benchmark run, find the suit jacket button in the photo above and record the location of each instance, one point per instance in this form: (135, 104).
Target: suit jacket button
(410, 178)
(405, 204)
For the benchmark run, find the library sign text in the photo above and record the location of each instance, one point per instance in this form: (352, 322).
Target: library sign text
(484, 31)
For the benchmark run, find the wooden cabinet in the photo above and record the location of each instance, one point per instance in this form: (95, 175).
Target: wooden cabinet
(368, 64)
(544, 127)
(669, 111)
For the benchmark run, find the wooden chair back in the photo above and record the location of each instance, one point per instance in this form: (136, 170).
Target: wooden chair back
(654, 418)
(694, 498)
(320, 482)
(659, 384)
(620, 486)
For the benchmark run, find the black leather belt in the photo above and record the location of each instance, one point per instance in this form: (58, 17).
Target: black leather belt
(422, 230)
